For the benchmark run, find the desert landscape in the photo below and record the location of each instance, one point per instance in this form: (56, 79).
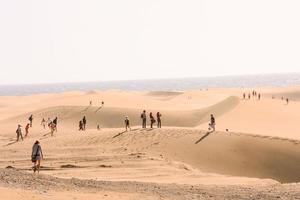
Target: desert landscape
(253, 154)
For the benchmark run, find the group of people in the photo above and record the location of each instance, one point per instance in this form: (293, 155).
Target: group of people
(52, 124)
(91, 103)
(258, 95)
(286, 100)
(253, 93)
(152, 119)
(19, 129)
(82, 124)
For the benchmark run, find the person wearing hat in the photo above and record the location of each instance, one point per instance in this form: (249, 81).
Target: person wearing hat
(36, 156)
(19, 133)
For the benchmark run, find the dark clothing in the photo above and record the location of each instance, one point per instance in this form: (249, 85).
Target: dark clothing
(152, 120)
(144, 119)
(55, 121)
(84, 122)
(158, 120)
(80, 126)
(212, 120)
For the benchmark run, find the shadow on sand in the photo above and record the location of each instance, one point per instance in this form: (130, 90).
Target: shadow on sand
(11, 143)
(203, 137)
(84, 110)
(98, 109)
(119, 134)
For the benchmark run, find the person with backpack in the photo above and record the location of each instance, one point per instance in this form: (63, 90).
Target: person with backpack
(19, 133)
(36, 156)
(27, 129)
(158, 117)
(127, 123)
(144, 119)
(30, 120)
(152, 120)
(84, 123)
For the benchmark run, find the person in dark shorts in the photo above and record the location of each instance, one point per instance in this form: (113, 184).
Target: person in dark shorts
(36, 156)
(287, 100)
(144, 119)
(158, 117)
(212, 124)
(259, 96)
(127, 123)
(152, 120)
(30, 120)
(84, 123)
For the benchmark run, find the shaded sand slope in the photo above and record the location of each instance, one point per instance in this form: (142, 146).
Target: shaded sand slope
(113, 117)
(162, 155)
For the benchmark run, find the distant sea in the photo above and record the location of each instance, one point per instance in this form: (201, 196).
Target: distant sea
(245, 81)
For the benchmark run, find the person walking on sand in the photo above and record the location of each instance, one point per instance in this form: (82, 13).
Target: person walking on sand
(152, 120)
(249, 96)
(80, 125)
(84, 123)
(52, 128)
(244, 96)
(144, 119)
(259, 96)
(127, 124)
(36, 156)
(27, 130)
(287, 101)
(49, 121)
(19, 133)
(158, 117)
(30, 120)
(55, 123)
(212, 124)
(43, 123)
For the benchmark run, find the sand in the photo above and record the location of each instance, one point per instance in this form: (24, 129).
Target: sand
(257, 157)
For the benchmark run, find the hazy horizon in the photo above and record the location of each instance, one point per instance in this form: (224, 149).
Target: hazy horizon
(82, 41)
(163, 79)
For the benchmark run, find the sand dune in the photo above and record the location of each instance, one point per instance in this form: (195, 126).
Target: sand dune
(260, 150)
(270, 117)
(223, 153)
(113, 117)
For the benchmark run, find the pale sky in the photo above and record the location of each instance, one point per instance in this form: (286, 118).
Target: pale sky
(96, 40)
